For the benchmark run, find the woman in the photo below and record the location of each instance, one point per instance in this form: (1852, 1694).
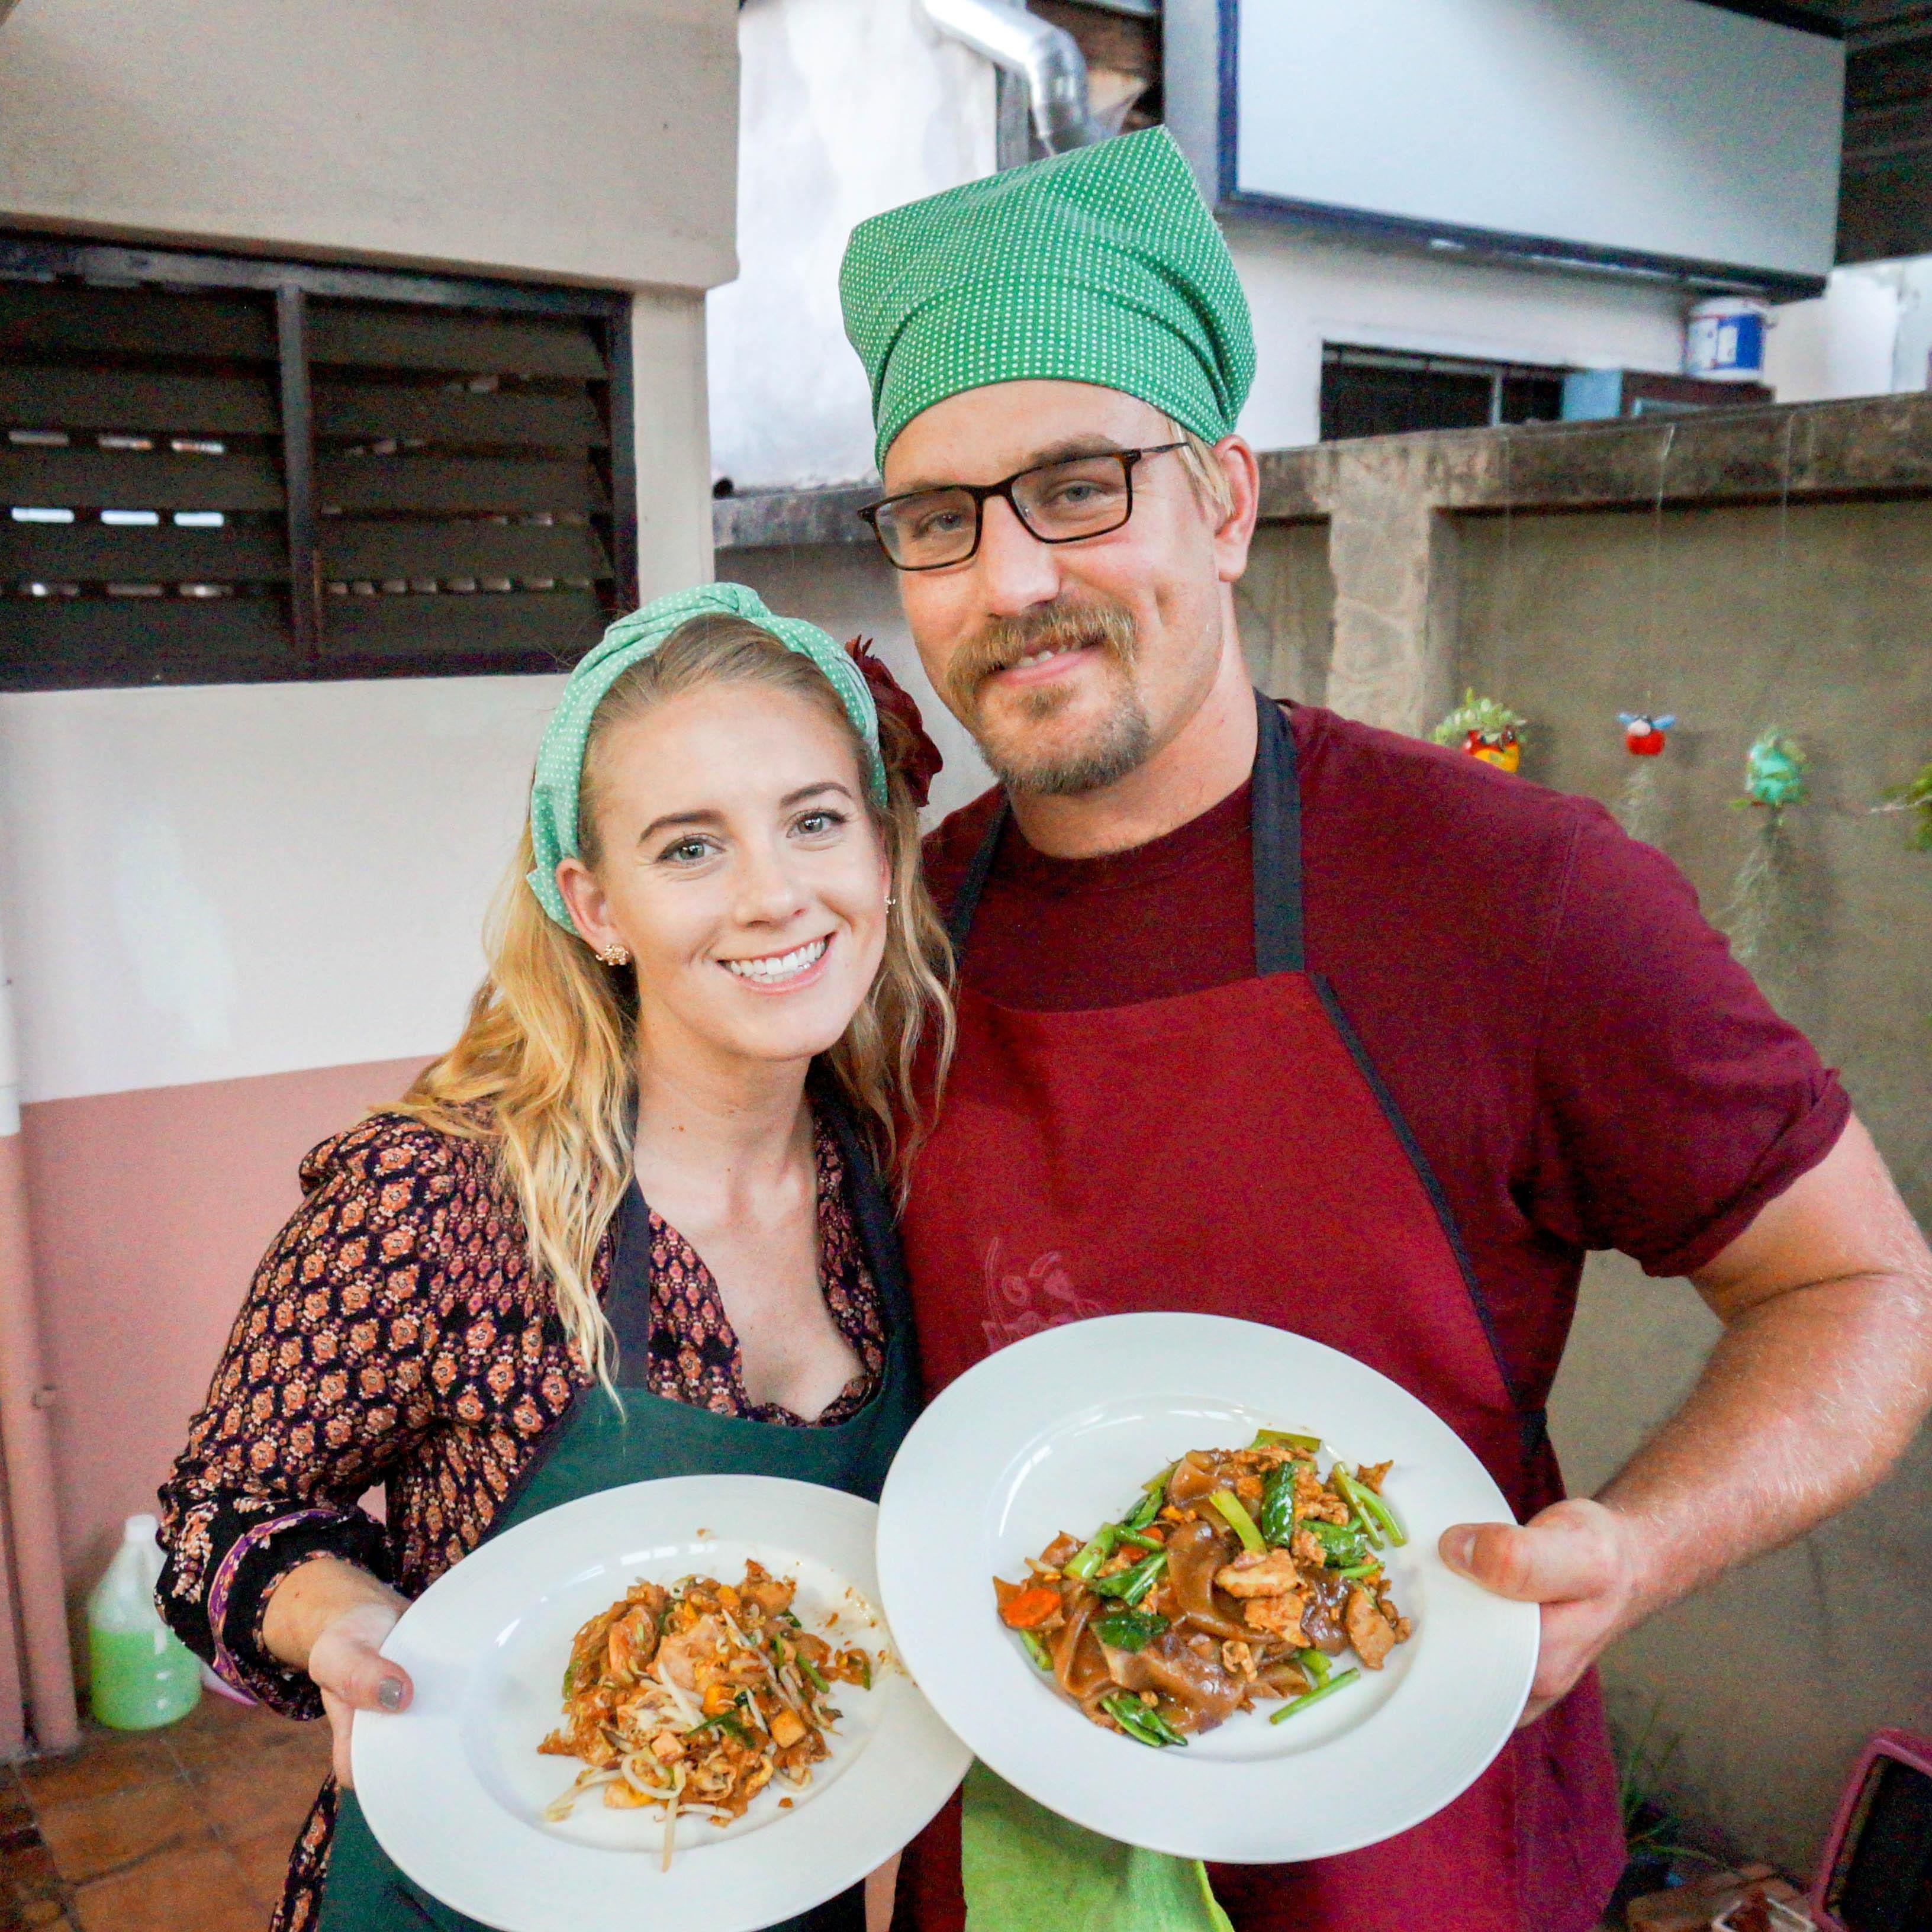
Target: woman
(711, 972)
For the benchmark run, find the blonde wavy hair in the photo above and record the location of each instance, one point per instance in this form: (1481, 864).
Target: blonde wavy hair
(545, 1064)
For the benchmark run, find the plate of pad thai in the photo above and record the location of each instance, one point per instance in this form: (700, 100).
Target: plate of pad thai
(1191, 1577)
(675, 1702)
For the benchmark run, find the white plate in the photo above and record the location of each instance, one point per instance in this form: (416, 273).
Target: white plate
(454, 1788)
(1057, 1433)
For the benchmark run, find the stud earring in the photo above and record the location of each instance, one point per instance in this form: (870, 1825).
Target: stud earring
(890, 902)
(615, 956)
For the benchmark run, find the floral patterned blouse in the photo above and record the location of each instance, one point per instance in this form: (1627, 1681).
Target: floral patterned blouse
(393, 1334)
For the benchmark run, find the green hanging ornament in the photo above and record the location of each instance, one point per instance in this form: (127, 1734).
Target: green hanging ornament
(1774, 772)
(1482, 728)
(1914, 796)
(1762, 918)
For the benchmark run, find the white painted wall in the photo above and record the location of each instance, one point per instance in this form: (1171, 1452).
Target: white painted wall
(207, 883)
(588, 140)
(1306, 290)
(849, 107)
(1870, 334)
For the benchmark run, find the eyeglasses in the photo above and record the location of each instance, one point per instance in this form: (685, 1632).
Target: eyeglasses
(1057, 502)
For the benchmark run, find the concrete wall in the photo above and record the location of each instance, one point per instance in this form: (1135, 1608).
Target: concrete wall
(585, 140)
(1738, 619)
(850, 107)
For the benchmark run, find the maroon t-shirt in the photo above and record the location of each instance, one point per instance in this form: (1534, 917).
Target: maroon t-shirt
(1580, 1060)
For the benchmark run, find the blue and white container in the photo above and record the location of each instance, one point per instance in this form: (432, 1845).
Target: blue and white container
(1724, 341)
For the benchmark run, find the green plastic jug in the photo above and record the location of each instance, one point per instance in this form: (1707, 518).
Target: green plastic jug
(141, 1675)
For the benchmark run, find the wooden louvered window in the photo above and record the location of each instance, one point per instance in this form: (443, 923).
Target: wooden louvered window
(218, 470)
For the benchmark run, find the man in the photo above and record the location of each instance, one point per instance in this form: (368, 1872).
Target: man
(1237, 1033)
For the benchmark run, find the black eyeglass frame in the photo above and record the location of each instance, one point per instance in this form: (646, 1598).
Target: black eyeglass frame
(1003, 489)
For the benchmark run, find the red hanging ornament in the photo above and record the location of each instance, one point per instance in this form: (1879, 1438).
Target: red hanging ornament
(1644, 734)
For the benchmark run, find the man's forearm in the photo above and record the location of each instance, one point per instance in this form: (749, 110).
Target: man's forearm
(1806, 1402)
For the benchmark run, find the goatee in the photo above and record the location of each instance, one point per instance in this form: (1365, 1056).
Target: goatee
(1117, 744)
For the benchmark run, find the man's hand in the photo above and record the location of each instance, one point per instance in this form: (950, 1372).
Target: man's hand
(1826, 1300)
(1572, 1559)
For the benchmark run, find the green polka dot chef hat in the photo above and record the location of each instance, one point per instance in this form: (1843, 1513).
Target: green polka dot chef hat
(1102, 265)
(553, 794)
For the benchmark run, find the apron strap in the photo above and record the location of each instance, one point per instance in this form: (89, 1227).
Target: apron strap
(1275, 813)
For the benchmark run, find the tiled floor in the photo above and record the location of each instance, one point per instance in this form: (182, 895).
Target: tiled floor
(184, 1830)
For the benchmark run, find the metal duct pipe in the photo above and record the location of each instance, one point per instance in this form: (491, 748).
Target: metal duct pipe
(1047, 57)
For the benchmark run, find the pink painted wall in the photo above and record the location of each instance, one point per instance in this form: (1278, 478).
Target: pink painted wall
(150, 1210)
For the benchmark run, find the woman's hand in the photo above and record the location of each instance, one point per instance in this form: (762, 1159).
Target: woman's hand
(329, 1619)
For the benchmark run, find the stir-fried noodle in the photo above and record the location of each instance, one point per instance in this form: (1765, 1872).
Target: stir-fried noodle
(696, 1697)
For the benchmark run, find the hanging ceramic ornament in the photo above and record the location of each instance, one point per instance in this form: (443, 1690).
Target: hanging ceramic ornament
(1639, 805)
(1914, 796)
(1761, 917)
(1482, 728)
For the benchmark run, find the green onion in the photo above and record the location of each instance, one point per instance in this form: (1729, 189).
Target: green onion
(1315, 1696)
(1152, 1494)
(1035, 1648)
(1149, 1543)
(1095, 1553)
(811, 1669)
(1390, 1523)
(1231, 1507)
(865, 1670)
(1131, 1585)
(1355, 1496)
(569, 1676)
(1285, 1438)
(1367, 1569)
(1315, 1664)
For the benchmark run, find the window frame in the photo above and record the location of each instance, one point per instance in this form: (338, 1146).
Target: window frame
(291, 284)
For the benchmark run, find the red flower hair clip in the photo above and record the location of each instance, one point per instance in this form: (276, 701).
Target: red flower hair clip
(907, 749)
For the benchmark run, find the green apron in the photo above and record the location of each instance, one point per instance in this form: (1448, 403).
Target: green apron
(598, 1446)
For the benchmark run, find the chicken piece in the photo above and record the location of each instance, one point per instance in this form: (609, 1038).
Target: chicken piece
(682, 1652)
(1368, 1629)
(1370, 1474)
(1305, 1549)
(1278, 1616)
(1259, 1574)
(771, 1593)
(1314, 1500)
(632, 1643)
(1237, 1658)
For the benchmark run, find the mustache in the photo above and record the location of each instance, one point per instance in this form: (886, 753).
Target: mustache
(1001, 643)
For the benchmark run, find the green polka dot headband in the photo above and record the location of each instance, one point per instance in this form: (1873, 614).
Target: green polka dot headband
(554, 832)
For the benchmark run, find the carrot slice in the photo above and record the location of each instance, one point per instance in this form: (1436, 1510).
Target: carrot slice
(1029, 1607)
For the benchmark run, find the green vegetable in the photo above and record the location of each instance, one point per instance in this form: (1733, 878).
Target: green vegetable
(1315, 1696)
(1231, 1507)
(1367, 1569)
(1129, 1630)
(1095, 1553)
(865, 1670)
(811, 1669)
(1341, 1542)
(1316, 1664)
(1277, 1516)
(1152, 1495)
(723, 1721)
(1352, 1493)
(1141, 1722)
(569, 1677)
(1390, 1523)
(1131, 1585)
(1139, 1541)
(1035, 1648)
(1284, 1438)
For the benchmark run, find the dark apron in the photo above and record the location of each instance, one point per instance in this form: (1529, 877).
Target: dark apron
(598, 1447)
(1234, 1152)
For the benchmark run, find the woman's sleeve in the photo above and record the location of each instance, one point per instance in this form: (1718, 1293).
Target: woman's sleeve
(320, 1392)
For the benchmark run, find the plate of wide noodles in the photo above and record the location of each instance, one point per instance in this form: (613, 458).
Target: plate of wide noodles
(1175, 1578)
(674, 1704)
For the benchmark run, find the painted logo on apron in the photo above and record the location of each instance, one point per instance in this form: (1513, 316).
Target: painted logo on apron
(1022, 1301)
